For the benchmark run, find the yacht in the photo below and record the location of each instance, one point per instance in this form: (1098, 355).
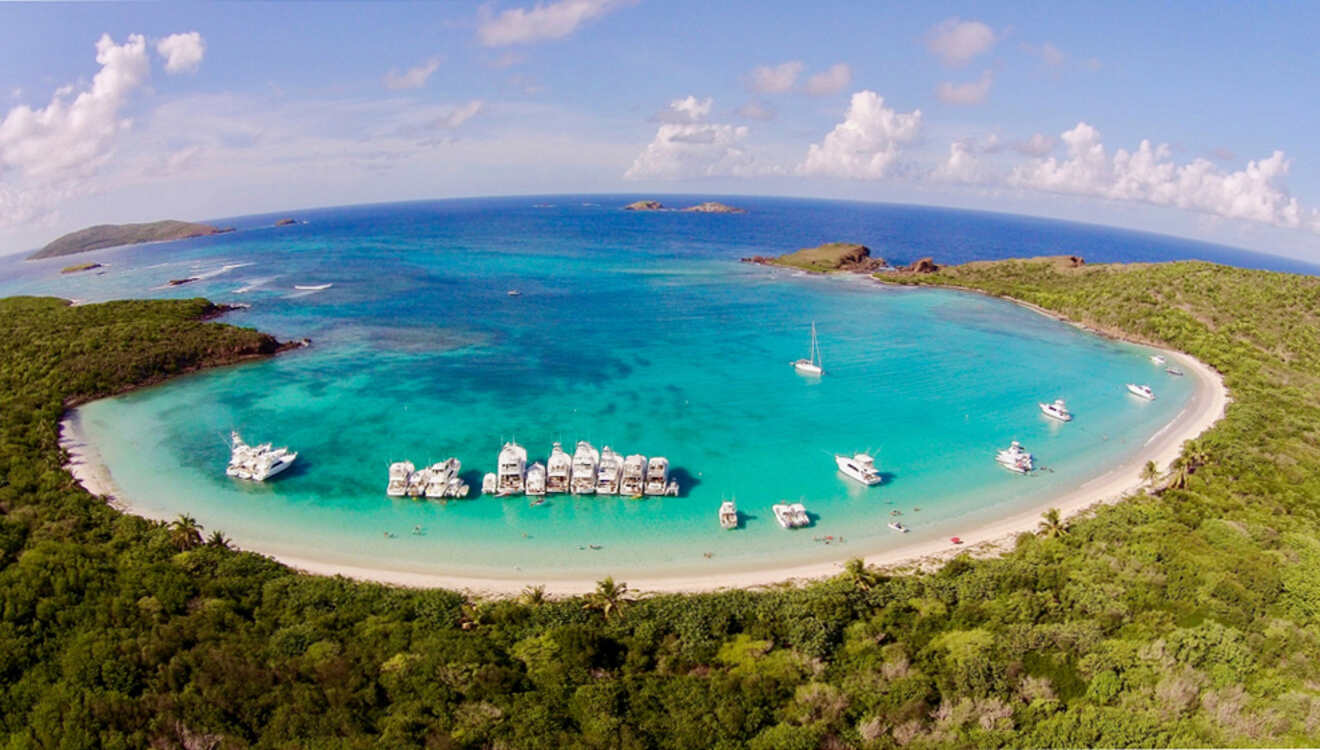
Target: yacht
(860, 467)
(457, 488)
(800, 517)
(256, 463)
(657, 475)
(488, 483)
(536, 479)
(1174, 371)
(1143, 391)
(609, 472)
(1058, 410)
(1157, 359)
(585, 461)
(399, 474)
(896, 526)
(1015, 458)
(728, 515)
(511, 471)
(418, 481)
(811, 365)
(633, 482)
(784, 515)
(437, 485)
(559, 470)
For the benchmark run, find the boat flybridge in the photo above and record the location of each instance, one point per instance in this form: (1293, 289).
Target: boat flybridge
(633, 483)
(791, 515)
(1142, 391)
(1015, 458)
(536, 479)
(728, 515)
(256, 463)
(609, 472)
(585, 461)
(511, 469)
(859, 467)
(558, 471)
(400, 472)
(813, 364)
(1058, 410)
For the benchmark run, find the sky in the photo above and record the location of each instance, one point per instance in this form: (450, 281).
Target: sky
(1191, 119)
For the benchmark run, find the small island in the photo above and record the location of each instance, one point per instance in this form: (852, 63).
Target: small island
(113, 235)
(80, 267)
(712, 207)
(285, 222)
(831, 256)
(645, 206)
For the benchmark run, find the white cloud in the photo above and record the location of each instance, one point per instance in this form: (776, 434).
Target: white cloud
(866, 143)
(461, 114)
(775, 79)
(963, 165)
(182, 52)
(973, 92)
(1149, 175)
(412, 78)
(755, 110)
(830, 81)
(554, 20)
(684, 147)
(1038, 144)
(956, 41)
(692, 108)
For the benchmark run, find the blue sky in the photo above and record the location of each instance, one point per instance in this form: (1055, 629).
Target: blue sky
(132, 112)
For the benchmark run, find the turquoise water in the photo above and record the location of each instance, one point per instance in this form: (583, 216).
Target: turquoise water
(642, 332)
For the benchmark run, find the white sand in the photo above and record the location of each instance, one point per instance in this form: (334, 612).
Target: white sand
(1206, 407)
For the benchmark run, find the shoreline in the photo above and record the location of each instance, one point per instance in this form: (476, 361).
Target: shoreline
(1206, 407)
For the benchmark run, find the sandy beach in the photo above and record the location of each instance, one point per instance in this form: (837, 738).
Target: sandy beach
(1207, 405)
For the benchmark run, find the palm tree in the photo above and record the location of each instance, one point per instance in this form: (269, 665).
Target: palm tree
(185, 532)
(1150, 472)
(861, 576)
(1052, 525)
(609, 597)
(533, 596)
(217, 539)
(1182, 469)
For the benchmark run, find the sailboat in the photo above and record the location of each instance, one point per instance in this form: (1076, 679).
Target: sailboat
(811, 366)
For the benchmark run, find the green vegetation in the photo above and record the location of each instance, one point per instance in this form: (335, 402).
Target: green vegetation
(113, 235)
(1189, 616)
(80, 267)
(831, 256)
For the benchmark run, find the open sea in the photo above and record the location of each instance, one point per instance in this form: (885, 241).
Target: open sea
(640, 331)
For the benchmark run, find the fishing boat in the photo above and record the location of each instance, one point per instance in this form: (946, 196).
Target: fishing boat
(896, 526)
(256, 463)
(511, 469)
(488, 484)
(813, 364)
(728, 515)
(399, 474)
(585, 461)
(609, 472)
(1015, 458)
(559, 470)
(633, 481)
(536, 479)
(1057, 410)
(859, 467)
(657, 475)
(1142, 391)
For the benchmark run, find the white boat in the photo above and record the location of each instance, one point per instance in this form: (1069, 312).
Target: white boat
(1058, 410)
(256, 463)
(812, 365)
(728, 515)
(536, 479)
(511, 469)
(800, 517)
(437, 483)
(896, 526)
(559, 470)
(515, 293)
(418, 481)
(457, 488)
(312, 287)
(1143, 391)
(609, 472)
(399, 474)
(585, 461)
(488, 483)
(671, 489)
(1157, 359)
(784, 515)
(860, 467)
(657, 475)
(633, 482)
(1015, 458)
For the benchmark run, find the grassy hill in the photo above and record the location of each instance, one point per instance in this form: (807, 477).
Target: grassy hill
(830, 256)
(113, 235)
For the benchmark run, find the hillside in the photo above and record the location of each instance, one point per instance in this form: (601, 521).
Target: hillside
(114, 235)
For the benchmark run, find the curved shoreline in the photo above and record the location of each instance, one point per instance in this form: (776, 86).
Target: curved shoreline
(1206, 406)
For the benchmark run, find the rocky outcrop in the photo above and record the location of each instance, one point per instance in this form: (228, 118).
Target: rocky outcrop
(644, 206)
(925, 265)
(712, 207)
(832, 256)
(285, 222)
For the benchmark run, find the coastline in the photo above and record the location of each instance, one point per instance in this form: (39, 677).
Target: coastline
(1206, 406)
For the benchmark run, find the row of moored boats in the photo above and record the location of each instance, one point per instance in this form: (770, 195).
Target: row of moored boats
(586, 472)
(437, 481)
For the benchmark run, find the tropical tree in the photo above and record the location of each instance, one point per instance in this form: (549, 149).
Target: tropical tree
(609, 598)
(185, 532)
(1182, 469)
(1150, 472)
(1052, 524)
(861, 576)
(533, 596)
(218, 539)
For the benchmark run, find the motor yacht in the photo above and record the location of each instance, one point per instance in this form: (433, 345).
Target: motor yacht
(586, 459)
(536, 479)
(256, 463)
(1141, 391)
(511, 469)
(488, 484)
(728, 515)
(399, 474)
(609, 472)
(1015, 458)
(657, 475)
(859, 467)
(1157, 359)
(559, 470)
(1057, 410)
(633, 481)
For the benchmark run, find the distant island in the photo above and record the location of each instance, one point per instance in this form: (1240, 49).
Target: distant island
(80, 267)
(709, 207)
(113, 235)
(285, 222)
(831, 256)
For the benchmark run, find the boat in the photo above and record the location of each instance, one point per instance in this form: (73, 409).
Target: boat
(1157, 359)
(1174, 371)
(536, 479)
(1058, 410)
(784, 515)
(256, 463)
(418, 481)
(437, 485)
(312, 287)
(457, 488)
(671, 489)
(812, 365)
(633, 481)
(399, 474)
(488, 483)
(859, 467)
(1143, 391)
(1015, 458)
(896, 526)
(585, 461)
(609, 472)
(514, 293)
(657, 475)
(800, 517)
(728, 515)
(511, 469)
(558, 471)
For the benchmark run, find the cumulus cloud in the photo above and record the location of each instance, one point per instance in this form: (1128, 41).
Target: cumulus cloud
(774, 79)
(963, 165)
(554, 20)
(866, 143)
(412, 78)
(182, 52)
(691, 108)
(685, 147)
(755, 110)
(1150, 175)
(956, 41)
(1038, 144)
(973, 92)
(830, 81)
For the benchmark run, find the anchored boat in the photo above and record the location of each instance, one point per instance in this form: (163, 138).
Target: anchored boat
(859, 467)
(728, 515)
(1141, 391)
(585, 461)
(1015, 458)
(1058, 410)
(813, 364)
